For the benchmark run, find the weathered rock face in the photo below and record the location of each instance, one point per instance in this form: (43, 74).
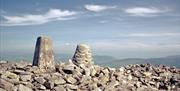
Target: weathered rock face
(43, 56)
(82, 55)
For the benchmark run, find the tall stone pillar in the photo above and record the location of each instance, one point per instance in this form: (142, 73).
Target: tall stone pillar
(82, 55)
(43, 55)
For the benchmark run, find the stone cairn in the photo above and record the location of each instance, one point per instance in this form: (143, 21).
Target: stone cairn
(80, 74)
(43, 56)
(82, 55)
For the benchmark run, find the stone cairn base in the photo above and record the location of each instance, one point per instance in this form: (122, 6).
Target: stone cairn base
(80, 74)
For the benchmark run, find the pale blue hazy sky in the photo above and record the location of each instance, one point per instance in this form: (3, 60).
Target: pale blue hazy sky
(119, 28)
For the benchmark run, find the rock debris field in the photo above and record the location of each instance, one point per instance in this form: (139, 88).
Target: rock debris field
(81, 74)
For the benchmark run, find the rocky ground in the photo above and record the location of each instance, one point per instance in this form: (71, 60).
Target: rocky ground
(73, 77)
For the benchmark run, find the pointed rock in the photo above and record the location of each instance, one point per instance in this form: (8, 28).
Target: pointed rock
(43, 55)
(82, 55)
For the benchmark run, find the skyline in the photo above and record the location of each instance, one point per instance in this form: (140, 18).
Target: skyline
(122, 29)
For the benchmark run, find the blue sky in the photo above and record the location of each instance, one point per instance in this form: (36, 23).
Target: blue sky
(119, 28)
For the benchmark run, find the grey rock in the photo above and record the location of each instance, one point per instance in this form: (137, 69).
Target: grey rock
(69, 69)
(58, 81)
(71, 86)
(121, 69)
(130, 77)
(5, 66)
(10, 75)
(40, 80)
(59, 88)
(23, 88)
(25, 77)
(43, 56)
(2, 89)
(40, 87)
(112, 84)
(6, 85)
(22, 64)
(21, 72)
(71, 80)
(49, 84)
(138, 84)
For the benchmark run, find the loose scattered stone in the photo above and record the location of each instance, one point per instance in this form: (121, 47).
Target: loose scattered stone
(23, 88)
(6, 85)
(21, 72)
(59, 88)
(58, 81)
(71, 80)
(10, 75)
(71, 86)
(40, 87)
(40, 80)
(25, 77)
(49, 84)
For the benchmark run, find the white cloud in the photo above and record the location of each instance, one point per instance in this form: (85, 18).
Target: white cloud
(149, 34)
(144, 11)
(103, 21)
(67, 44)
(98, 8)
(134, 47)
(35, 19)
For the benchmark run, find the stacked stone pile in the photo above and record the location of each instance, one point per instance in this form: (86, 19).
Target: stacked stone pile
(80, 74)
(82, 55)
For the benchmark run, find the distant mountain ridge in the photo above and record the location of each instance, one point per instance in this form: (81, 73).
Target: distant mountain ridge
(168, 60)
(105, 60)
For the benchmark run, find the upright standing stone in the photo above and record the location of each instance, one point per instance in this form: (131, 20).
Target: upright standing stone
(43, 56)
(82, 55)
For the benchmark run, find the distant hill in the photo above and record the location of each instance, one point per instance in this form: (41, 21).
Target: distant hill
(169, 61)
(104, 60)
(99, 59)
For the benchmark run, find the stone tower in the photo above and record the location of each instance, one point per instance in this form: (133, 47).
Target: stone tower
(43, 55)
(82, 55)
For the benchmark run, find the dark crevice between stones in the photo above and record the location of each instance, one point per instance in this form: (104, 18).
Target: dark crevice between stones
(67, 71)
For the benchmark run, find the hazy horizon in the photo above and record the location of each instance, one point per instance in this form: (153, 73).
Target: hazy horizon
(117, 28)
